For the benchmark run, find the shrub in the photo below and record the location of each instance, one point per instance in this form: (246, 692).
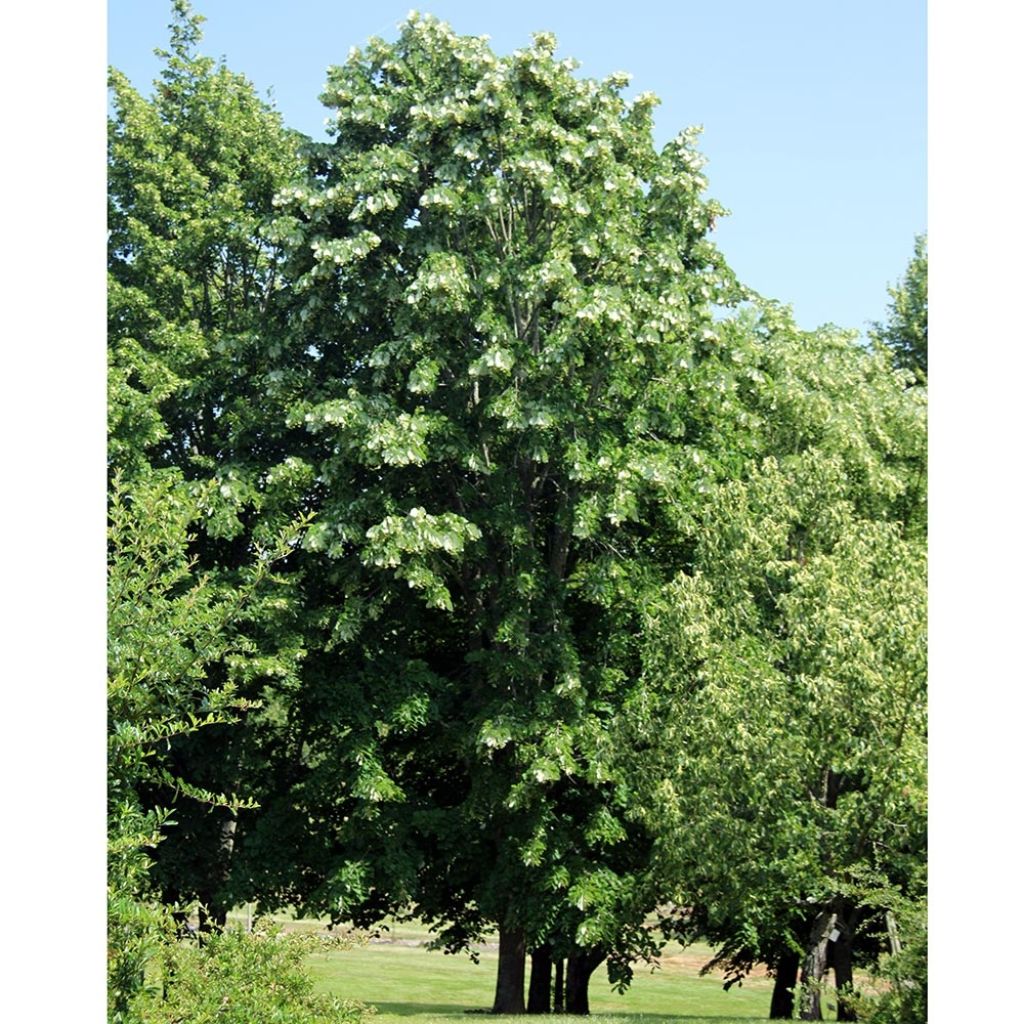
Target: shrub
(905, 972)
(235, 977)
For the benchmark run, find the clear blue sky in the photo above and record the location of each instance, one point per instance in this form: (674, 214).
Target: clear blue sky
(814, 111)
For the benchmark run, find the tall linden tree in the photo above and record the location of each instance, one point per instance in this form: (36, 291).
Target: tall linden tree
(510, 297)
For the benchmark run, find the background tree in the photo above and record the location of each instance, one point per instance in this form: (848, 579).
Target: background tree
(905, 332)
(195, 600)
(193, 345)
(784, 696)
(192, 173)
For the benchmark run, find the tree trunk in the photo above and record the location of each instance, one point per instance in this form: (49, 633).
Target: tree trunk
(212, 917)
(786, 969)
(815, 963)
(582, 964)
(842, 964)
(539, 998)
(895, 945)
(213, 910)
(560, 985)
(508, 992)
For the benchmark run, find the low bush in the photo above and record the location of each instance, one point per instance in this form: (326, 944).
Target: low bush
(904, 973)
(235, 977)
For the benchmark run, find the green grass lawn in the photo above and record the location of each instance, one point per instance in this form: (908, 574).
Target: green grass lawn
(405, 981)
(408, 984)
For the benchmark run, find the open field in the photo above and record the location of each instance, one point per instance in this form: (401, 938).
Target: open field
(409, 984)
(406, 981)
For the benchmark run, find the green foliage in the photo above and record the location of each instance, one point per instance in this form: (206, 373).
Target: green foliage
(904, 970)
(193, 342)
(191, 176)
(615, 589)
(165, 627)
(184, 290)
(240, 978)
(905, 333)
(783, 699)
(511, 298)
(161, 634)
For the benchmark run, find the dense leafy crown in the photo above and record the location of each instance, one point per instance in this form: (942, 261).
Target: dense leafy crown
(783, 693)
(506, 301)
(614, 588)
(192, 174)
(500, 279)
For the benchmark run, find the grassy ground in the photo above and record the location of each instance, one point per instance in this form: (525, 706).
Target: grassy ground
(408, 984)
(406, 981)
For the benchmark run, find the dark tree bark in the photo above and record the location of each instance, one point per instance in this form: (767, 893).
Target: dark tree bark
(815, 965)
(842, 964)
(786, 969)
(560, 985)
(508, 992)
(211, 919)
(582, 964)
(213, 910)
(539, 997)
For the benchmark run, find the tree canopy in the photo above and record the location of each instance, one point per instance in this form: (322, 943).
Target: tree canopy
(784, 685)
(598, 586)
(905, 332)
(510, 296)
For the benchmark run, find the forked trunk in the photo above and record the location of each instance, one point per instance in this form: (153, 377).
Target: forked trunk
(786, 969)
(213, 911)
(539, 998)
(582, 964)
(842, 964)
(815, 964)
(508, 992)
(560, 985)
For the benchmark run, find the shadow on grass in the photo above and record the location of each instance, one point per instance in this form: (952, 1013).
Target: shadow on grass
(479, 1014)
(435, 1009)
(640, 1017)
(643, 1017)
